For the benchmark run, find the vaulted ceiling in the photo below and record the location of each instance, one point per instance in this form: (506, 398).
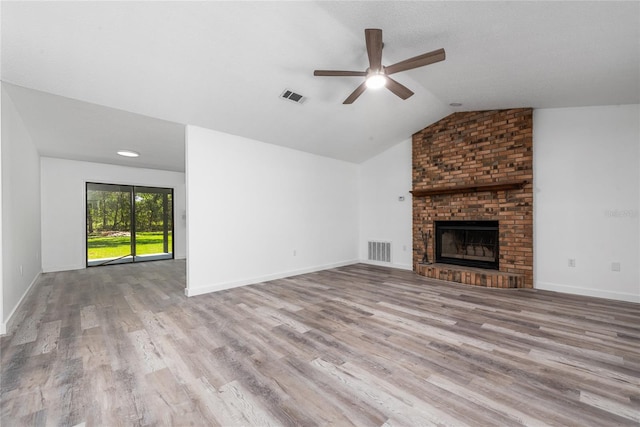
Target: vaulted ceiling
(92, 77)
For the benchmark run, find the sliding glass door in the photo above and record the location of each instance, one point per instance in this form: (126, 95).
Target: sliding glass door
(108, 223)
(153, 223)
(128, 224)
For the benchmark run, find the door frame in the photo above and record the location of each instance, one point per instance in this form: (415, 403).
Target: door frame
(132, 257)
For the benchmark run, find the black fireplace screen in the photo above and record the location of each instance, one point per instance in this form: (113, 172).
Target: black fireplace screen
(468, 243)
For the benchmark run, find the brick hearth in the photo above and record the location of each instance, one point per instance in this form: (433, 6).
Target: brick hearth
(471, 276)
(464, 153)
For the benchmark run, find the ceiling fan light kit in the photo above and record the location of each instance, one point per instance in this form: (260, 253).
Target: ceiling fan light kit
(377, 76)
(376, 81)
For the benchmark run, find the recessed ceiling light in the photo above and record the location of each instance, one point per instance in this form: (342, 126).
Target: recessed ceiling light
(128, 153)
(455, 104)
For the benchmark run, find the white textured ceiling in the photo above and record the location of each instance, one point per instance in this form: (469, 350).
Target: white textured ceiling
(223, 65)
(77, 130)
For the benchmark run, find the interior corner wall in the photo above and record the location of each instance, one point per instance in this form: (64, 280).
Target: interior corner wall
(63, 206)
(21, 244)
(258, 211)
(587, 200)
(384, 180)
(3, 326)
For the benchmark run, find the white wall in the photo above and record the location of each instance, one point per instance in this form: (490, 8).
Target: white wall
(20, 211)
(383, 217)
(586, 207)
(257, 211)
(63, 206)
(3, 326)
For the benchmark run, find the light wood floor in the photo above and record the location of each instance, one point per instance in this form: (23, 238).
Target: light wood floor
(357, 345)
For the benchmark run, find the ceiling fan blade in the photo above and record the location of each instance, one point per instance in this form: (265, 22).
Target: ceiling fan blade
(417, 61)
(356, 93)
(331, 73)
(373, 37)
(400, 90)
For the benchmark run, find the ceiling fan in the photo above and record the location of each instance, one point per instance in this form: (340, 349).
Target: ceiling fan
(377, 75)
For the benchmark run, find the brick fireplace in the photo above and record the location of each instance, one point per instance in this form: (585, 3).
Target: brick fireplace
(475, 168)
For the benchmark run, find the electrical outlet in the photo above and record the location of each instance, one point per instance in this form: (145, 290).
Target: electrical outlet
(615, 266)
(20, 268)
(295, 252)
(404, 248)
(572, 262)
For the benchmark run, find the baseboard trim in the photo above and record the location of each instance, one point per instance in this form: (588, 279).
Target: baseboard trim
(6, 326)
(577, 290)
(63, 268)
(191, 292)
(387, 264)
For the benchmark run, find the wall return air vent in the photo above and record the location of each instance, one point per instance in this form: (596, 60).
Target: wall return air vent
(379, 251)
(290, 95)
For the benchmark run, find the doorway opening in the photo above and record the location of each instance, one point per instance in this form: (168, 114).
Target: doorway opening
(127, 223)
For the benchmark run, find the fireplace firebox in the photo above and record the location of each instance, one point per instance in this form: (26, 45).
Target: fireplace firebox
(467, 243)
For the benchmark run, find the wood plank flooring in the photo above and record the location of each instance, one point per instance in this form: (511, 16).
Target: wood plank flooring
(358, 345)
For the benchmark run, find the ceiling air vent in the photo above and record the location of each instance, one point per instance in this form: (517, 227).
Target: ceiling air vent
(292, 96)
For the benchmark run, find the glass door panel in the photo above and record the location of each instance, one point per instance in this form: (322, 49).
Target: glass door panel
(153, 223)
(108, 224)
(128, 224)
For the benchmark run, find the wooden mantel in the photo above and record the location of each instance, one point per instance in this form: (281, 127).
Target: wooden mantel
(471, 188)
